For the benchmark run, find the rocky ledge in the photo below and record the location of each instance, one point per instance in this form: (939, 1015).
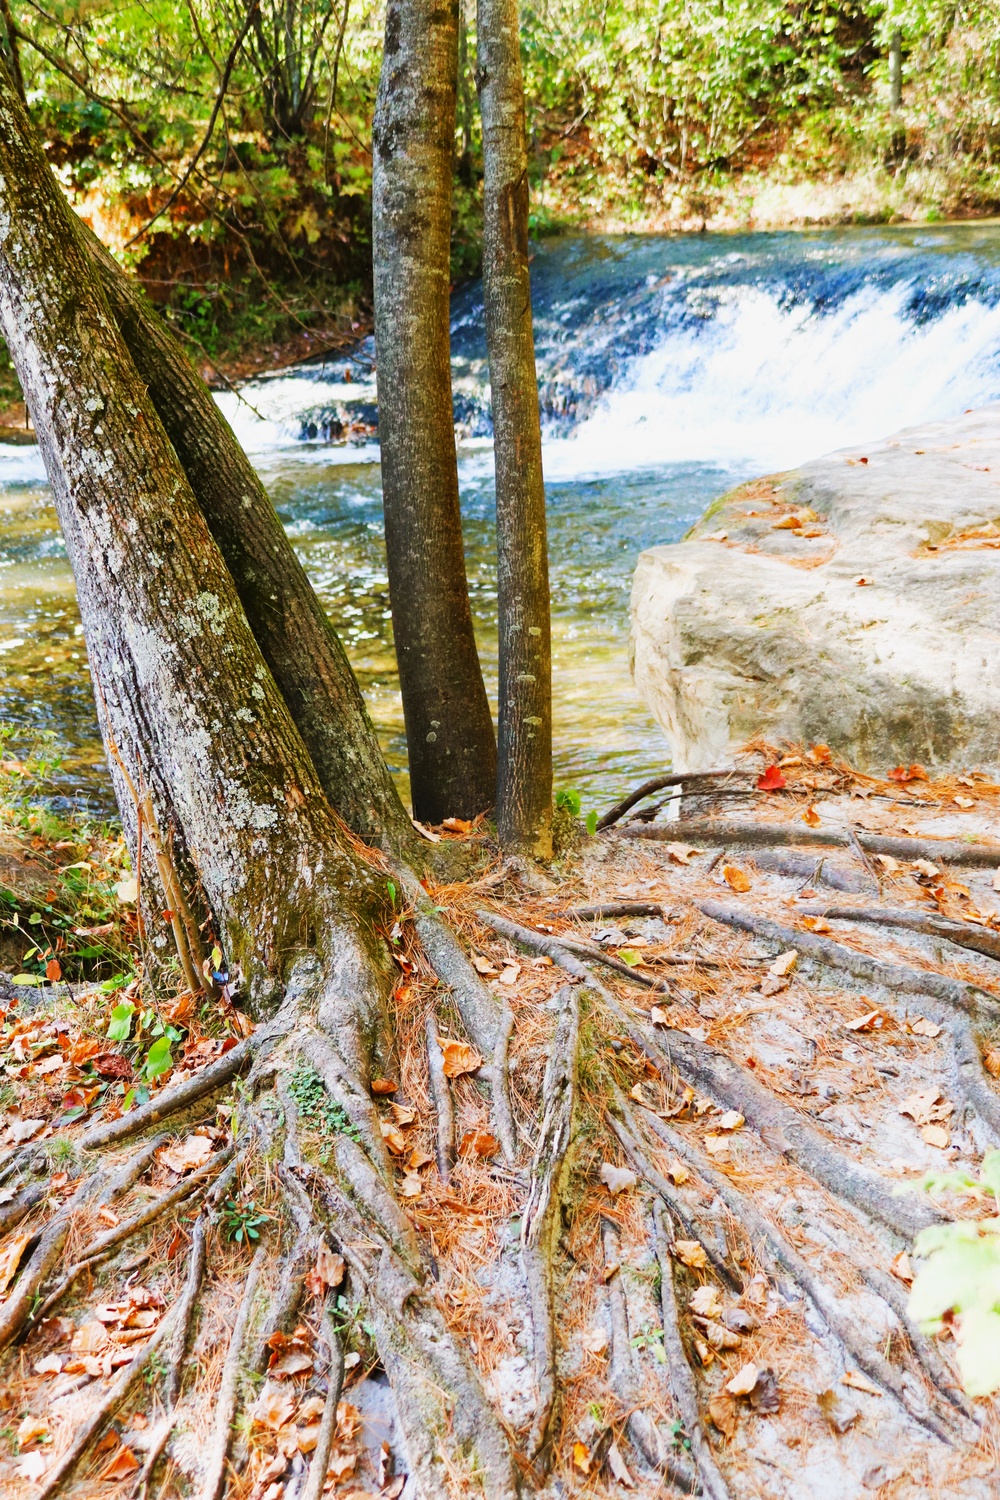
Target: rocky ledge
(854, 601)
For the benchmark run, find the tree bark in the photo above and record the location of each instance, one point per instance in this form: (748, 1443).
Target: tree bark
(896, 70)
(524, 779)
(452, 749)
(288, 621)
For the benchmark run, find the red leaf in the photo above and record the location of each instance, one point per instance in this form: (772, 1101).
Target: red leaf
(53, 969)
(771, 781)
(908, 773)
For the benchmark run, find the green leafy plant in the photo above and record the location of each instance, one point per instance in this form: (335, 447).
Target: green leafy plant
(959, 1280)
(242, 1222)
(158, 1059)
(310, 1094)
(120, 1025)
(569, 799)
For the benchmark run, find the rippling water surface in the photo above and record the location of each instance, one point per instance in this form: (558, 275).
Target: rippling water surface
(670, 368)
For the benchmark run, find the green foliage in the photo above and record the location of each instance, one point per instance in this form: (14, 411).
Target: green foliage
(314, 1103)
(570, 800)
(242, 1221)
(960, 1279)
(120, 1025)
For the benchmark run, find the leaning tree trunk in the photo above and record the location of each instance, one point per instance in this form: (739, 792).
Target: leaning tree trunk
(524, 782)
(449, 731)
(190, 707)
(289, 623)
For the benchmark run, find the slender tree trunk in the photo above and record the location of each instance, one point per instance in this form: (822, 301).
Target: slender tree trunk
(289, 623)
(896, 70)
(449, 730)
(524, 783)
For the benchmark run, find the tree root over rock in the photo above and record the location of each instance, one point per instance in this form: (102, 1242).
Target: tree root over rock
(758, 835)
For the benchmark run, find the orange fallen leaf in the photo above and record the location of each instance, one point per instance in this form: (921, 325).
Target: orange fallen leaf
(459, 1058)
(185, 1156)
(120, 1465)
(10, 1258)
(867, 1022)
(744, 1380)
(771, 780)
(922, 1027)
(53, 969)
(815, 924)
(411, 1186)
(724, 1412)
(991, 1062)
(682, 854)
(393, 1137)
(900, 1266)
(908, 773)
(737, 879)
(820, 755)
(457, 825)
(690, 1253)
(935, 1135)
(581, 1457)
(384, 1086)
(478, 1143)
(811, 817)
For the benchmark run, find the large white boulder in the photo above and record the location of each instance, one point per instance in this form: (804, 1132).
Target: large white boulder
(750, 627)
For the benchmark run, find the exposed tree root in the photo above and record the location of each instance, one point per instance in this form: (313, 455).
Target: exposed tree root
(102, 1414)
(659, 784)
(542, 1217)
(561, 948)
(682, 1382)
(784, 1130)
(499, 1086)
(778, 1249)
(807, 867)
(611, 909)
(963, 934)
(172, 1100)
(625, 1381)
(225, 1407)
(757, 835)
(444, 1105)
(13, 1212)
(328, 1422)
(965, 997)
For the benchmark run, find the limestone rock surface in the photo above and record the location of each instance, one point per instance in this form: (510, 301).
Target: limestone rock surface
(854, 601)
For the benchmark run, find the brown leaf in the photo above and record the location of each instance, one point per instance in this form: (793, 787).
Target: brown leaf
(49, 1364)
(581, 1457)
(706, 1301)
(840, 1414)
(765, 1398)
(900, 1266)
(459, 1058)
(295, 1362)
(859, 1383)
(120, 1465)
(393, 1137)
(991, 1062)
(927, 1107)
(935, 1135)
(112, 1065)
(342, 1464)
(53, 969)
(482, 965)
(618, 1468)
(403, 1114)
(736, 878)
(411, 1186)
(744, 1380)
(457, 825)
(815, 924)
(724, 1412)
(682, 854)
(617, 1179)
(31, 1429)
(690, 1253)
(10, 1258)
(384, 1086)
(867, 1022)
(811, 817)
(185, 1156)
(784, 963)
(478, 1143)
(418, 1159)
(394, 1488)
(922, 1027)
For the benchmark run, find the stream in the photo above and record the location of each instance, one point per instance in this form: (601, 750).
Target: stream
(670, 369)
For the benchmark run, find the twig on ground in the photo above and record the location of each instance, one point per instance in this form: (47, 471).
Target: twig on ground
(964, 935)
(328, 1422)
(500, 1088)
(611, 909)
(444, 1105)
(561, 949)
(682, 1382)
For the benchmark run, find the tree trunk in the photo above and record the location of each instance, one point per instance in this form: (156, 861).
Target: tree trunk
(188, 700)
(449, 731)
(289, 623)
(896, 70)
(524, 782)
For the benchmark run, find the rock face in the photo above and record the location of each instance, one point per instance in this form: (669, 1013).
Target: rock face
(854, 601)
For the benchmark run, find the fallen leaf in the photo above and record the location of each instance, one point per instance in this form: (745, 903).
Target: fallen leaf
(678, 1173)
(581, 1457)
(935, 1135)
(478, 1143)
(23, 1130)
(771, 781)
(659, 1016)
(706, 1301)
(690, 1253)
(384, 1086)
(127, 891)
(784, 964)
(859, 1383)
(991, 1062)
(840, 1414)
(717, 1145)
(724, 1412)
(595, 1340)
(731, 1120)
(900, 1266)
(411, 1186)
(394, 1488)
(866, 1022)
(744, 1380)
(964, 801)
(815, 924)
(307, 1436)
(295, 1362)
(765, 1398)
(482, 965)
(348, 1416)
(459, 1058)
(403, 1114)
(682, 854)
(418, 1159)
(457, 825)
(120, 1465)
(704, 1352)
(186, 1155)
(31, 1467)
(31, 1429)
(90, 1338)
(908, 773)
(927, 1107)
(923, 1027)
(737, 879)
(342, 1464)
(10, 1258)
(53, 969)
(926, 868)
(393, 1137)
(617, 1466)
(49, 1364)
(718, 1335)
(617, 1179)
(811, 817)
(770, 984)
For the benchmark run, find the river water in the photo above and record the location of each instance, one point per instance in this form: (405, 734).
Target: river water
(670, 368)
